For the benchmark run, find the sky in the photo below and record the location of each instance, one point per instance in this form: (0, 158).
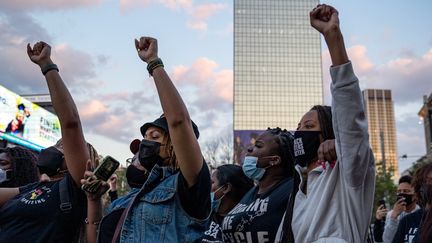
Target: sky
(389, 43)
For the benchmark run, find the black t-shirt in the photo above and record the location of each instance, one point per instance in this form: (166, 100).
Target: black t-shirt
(196, 199)
(256, 217)
(192, 200)
(408, 227)
(34, 215)
(214, 233)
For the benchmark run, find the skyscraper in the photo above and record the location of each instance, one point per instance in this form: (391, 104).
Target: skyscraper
(277, 63)
(382, 129)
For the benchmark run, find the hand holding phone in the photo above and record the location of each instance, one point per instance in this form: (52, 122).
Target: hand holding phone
(102, 173)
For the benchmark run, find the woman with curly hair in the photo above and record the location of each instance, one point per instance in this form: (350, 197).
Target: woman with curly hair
(20, 164)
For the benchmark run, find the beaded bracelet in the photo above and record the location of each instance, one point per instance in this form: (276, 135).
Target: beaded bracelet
(151, 66)
(94, 222)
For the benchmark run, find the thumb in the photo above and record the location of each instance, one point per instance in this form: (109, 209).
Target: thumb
(89, 166)
(137, 45)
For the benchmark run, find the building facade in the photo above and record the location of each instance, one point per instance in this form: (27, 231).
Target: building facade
(382, 129)
(277, 63)
(425, 114)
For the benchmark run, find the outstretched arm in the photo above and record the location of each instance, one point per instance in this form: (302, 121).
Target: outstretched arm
(185, 144)
(75, 148)
(349, 120)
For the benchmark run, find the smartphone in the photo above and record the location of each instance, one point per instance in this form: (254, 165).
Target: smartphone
(382, 202)
(105, 169)
(103, 172)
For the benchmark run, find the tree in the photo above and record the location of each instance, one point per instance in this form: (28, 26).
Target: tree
(385, 187)
(219, 150)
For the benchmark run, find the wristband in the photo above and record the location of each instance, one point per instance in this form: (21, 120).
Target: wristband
(86, 221)
(46, 68)
(151, 66)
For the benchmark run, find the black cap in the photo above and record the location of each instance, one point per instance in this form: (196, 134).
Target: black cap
(163, 124)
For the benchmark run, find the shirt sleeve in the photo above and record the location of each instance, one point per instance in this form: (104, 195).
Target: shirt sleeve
(390, 228)
(399, 236)
(193, 198)
(350, 126)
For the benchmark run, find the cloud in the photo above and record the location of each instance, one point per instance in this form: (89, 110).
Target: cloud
(214, 88)
(24, 5)
(198, 14)
(407, 76)
(76, 67)
(13, 5)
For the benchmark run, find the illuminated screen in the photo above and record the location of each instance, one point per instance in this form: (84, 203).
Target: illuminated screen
(25, 123)
(243, 139)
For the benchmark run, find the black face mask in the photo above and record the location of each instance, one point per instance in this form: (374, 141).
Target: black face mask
(50, 161)
(148, 154)
(408, 198)
(306, 144)
(135, 177)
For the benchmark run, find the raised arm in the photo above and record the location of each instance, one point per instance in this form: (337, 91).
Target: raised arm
(349, 120)
(185, 144)
(74, 145)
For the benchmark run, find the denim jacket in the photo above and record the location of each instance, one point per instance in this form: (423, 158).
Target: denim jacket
(157, 214)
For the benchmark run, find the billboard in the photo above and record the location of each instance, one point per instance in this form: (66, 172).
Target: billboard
(243, 139)
(25, 123)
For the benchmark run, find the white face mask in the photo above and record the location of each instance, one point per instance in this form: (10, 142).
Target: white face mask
(5, 175)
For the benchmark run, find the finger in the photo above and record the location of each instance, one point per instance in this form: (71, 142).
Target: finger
(314, 13)
(321, 153)
(29, 50)
(88, 165)
(88, 174)
(381, 207)
(143, 43)
(137, 45)
(327, 156)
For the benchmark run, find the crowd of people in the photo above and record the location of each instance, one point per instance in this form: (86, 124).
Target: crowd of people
(312, 185)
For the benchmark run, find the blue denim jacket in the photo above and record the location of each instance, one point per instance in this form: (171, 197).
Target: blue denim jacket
(122, 202)
(157, 215)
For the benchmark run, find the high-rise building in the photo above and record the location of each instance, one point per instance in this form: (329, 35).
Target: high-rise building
(382, 129)
(277, 63)
(426, 115)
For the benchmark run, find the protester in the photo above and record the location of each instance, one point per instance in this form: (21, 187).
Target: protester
(335, 200)
(416, 227)
(405, 204)
(378, 226)
(54, 209)
(173, 205)
(229, 185)
(270, 163)
(18, 165)
(423, 187)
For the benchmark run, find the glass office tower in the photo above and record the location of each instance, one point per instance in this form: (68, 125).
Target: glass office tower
(277, 63)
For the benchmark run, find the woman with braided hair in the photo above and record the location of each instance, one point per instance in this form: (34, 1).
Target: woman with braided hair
(53, 209)
(270, 163)
(335, 196)
(20, 164)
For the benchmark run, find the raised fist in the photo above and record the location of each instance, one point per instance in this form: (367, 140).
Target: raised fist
(324, 18)
(40, 53)
(147, 48)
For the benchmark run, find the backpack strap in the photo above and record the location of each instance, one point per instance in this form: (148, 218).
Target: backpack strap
(65, 202)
